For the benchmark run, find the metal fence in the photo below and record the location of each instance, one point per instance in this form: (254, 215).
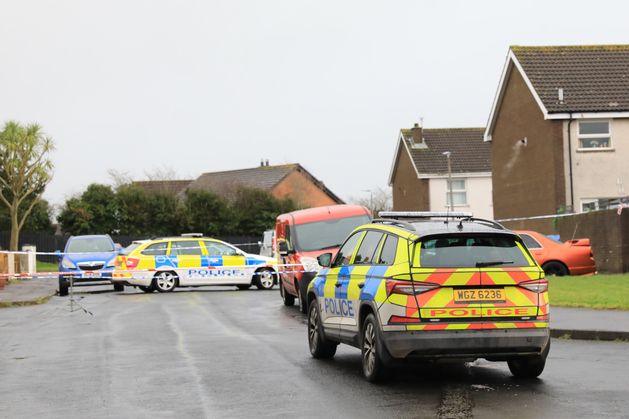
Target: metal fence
(46, 242)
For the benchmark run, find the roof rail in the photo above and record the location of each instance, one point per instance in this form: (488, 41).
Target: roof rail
(423, 214)
(490, 223)
(406, 225)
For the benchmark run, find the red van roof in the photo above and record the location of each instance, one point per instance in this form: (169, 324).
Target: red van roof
(329, 212)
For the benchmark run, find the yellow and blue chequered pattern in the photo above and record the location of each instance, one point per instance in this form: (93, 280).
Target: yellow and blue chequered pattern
(526, 302)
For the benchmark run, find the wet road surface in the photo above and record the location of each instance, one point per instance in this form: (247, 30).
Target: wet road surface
(219, 352)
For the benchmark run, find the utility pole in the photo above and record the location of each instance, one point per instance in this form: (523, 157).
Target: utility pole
(451, 198)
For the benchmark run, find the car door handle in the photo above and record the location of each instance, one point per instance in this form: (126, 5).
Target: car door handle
(338, 284)
(361, 284)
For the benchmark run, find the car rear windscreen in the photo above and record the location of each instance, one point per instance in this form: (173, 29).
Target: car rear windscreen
(472, 251)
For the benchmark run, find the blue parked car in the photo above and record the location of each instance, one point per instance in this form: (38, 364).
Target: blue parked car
(82, 256)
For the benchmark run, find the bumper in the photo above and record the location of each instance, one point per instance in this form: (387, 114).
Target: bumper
(495, 345)
(132, 280)
(85, 278)
(582, 270)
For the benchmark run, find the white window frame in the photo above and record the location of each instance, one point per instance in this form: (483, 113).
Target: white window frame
(589, 201)
(586, 136)
(455, 191)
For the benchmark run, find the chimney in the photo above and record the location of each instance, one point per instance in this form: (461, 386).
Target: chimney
(417, 140)
(261, 162)
(267, 162)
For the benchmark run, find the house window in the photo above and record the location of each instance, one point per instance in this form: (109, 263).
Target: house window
(459, 194)
(589, 205)
(594, 135)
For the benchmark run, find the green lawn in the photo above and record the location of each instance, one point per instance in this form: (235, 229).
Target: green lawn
(596, 291)
(47, 267)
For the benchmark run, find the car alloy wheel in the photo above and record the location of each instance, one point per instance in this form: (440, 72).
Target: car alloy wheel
(313, 329)
(265, 279)
(320, 347)
(369, 349)
(165, 281)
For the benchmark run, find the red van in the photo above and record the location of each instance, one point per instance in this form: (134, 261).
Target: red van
(303, 235)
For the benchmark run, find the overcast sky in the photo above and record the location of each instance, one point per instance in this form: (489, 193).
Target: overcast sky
(200, 86)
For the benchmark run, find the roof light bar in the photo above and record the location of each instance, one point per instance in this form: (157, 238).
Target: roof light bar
(424, 214)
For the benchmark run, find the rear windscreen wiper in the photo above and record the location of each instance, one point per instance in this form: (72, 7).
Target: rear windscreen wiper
(493, 263)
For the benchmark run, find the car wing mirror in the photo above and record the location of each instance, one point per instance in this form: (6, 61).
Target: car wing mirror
(283, 248)
(58, 254)
(325, 260)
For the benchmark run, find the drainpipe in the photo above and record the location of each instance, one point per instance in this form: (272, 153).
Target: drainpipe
(570, 164)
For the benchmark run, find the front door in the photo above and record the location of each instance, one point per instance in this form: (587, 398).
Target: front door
(224, 264)
(353, 280)
(333, 306)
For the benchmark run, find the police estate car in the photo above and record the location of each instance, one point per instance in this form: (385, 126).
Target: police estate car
(436, 286)
(190, 261)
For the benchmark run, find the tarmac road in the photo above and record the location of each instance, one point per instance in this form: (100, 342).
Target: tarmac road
(218, 352)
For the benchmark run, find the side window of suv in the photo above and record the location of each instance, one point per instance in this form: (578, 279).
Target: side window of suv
(156, 249)
(389, 249)
(344, 256)
(367, 249)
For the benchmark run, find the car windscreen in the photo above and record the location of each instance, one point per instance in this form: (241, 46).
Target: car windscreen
(129, 248)
(90, 245)
(472, 251)
(325, 234)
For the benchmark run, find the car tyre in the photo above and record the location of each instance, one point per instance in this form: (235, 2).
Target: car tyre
(264, 279)
(244, 287)
(529, 367)
(119, 287)
(373, 351)
(320, 347)
(555, 268)
(288, 299)
(148, 289)
(303, 304)
(165, 281)
(63, 287)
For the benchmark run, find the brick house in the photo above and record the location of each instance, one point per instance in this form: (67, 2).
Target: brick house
(419, 173)
(559, 130)
(282, 181)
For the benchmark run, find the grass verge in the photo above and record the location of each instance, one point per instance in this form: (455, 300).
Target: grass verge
(596, 291)
(47, 267)
(7, 304)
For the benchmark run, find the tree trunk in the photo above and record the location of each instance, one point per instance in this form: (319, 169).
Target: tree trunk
(15, 231)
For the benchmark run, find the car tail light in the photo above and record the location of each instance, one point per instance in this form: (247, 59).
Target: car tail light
(536, 286)
(408, 287)
(132, 263)
(118, 262)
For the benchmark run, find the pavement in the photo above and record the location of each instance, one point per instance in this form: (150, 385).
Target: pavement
(568, 323)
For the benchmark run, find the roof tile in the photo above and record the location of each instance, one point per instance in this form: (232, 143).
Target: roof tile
(469, 152)
(594, 78)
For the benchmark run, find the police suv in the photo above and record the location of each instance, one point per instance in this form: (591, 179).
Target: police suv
(431, 286)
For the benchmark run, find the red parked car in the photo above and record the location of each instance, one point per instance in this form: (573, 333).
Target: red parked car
(573, 257)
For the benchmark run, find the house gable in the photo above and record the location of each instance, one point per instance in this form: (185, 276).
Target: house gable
(526, 154)
(304, 191)
(409, 192)
(570, 82)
